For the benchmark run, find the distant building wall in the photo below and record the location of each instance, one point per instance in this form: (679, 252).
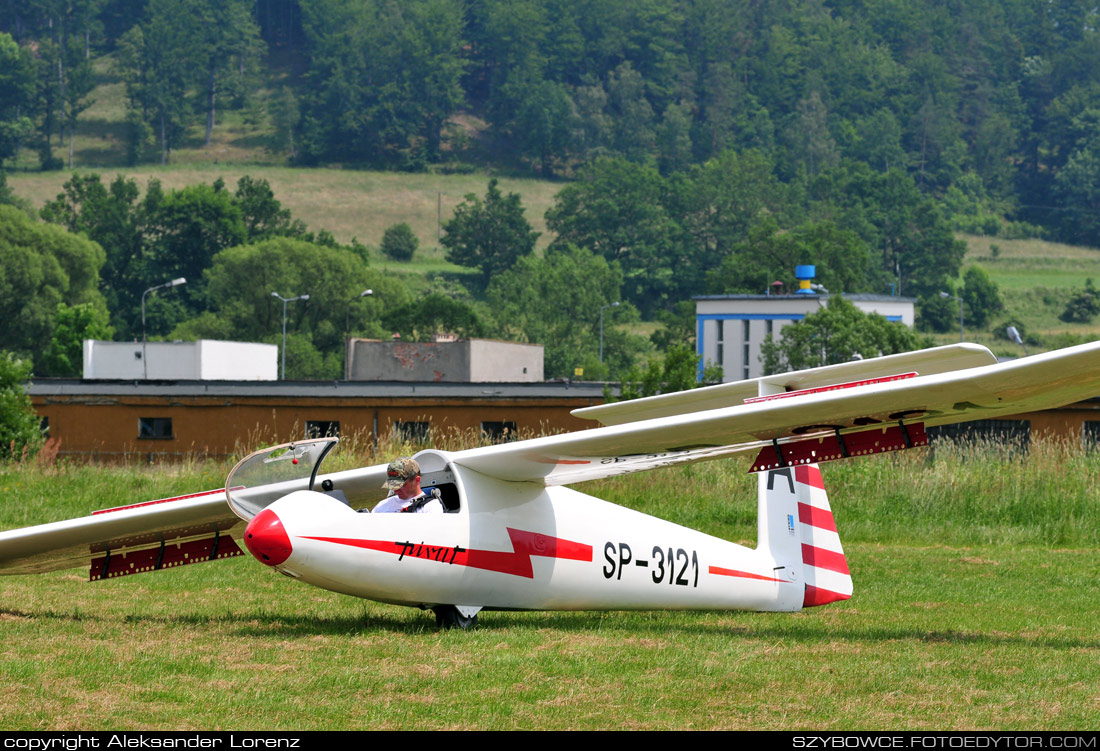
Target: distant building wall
(732, 328)
(465, 361)
(204, 360)
(108, 420)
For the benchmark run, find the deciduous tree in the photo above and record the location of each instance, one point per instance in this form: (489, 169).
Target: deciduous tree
(489, 235)
(837, 333)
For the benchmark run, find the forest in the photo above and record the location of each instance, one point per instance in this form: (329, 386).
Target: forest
(702, 146)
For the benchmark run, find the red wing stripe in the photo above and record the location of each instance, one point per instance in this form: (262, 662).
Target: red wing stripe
(816, 517)
(740, 574)
(830, 387)
(161, 500)
(816, 596)
(826, 559)
(809, 475)
(516, 562)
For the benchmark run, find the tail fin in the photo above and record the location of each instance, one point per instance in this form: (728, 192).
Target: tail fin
(798, 531)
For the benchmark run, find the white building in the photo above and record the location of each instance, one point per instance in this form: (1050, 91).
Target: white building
(204, 360)
(731, 328)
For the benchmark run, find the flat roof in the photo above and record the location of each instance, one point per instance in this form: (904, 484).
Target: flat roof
(60, 387)
(865, 296)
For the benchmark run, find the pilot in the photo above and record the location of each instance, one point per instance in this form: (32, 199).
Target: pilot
(403, 480)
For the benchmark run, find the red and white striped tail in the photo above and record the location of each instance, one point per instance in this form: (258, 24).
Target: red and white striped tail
(824, 566)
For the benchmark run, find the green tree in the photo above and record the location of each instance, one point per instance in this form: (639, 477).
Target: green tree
(155, 58)
(226, 43)
(489, 235)
(841, 258)
(981, 297)
(65, 355)
(676, 370)
(241, 279)
(41, 265)
(837, 333)
(616, 210)
(17, 89)
(264, 216)
(916, 247)
(1084, 306)
(186, 228)
(79, 82)
(716, 204)
(20, 434)
(555, 301)
(384, 77)
(113, 217)
(398, 242)
(431, 314)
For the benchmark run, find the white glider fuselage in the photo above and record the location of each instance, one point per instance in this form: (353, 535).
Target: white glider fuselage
(523, 545)
(556, 549)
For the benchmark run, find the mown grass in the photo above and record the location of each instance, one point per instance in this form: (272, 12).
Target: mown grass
(974, 569)
(348, 203)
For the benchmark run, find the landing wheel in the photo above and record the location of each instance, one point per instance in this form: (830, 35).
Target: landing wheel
(448, 617)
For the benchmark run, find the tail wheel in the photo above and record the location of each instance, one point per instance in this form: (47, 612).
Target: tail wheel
(448, 617)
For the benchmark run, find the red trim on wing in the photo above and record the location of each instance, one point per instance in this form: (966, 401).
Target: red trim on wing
(826, 559)
(833, 387)
(162, 500)
(816, 517)
(740, 574)
(816, 596)
(516, 562)
(557, 460)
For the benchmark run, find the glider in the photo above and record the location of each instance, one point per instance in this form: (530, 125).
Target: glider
(516, 537)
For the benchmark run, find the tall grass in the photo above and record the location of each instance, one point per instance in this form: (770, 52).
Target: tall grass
(956, 493)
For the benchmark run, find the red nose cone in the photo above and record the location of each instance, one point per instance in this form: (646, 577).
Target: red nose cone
(266, 538)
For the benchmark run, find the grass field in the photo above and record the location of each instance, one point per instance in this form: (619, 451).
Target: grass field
(347, 203)
(974, 607)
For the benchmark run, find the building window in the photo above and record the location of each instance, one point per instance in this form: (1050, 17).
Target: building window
(44, 426)
(745, 349)
(720, 341)
(155, 427)
(1009, 434)
(408, 431)
(322, 428)
(500, 431)
(1090, 435)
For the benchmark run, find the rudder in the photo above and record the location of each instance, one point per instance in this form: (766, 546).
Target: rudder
(798, 530)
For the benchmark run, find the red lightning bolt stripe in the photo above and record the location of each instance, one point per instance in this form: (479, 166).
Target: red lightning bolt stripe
(516, 562)
(740, 574)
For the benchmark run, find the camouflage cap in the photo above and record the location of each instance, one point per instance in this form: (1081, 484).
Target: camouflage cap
(401, 470)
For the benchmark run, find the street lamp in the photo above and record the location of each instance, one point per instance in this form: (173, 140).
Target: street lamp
(609, 305)
(285, 301)
(166, 285)
(944, 294)
(1014, 335)
(347, 329)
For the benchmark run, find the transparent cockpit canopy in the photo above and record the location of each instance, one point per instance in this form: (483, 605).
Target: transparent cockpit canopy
(265, 476)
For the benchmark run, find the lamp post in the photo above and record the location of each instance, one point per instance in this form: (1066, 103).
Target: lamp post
(285, 301)
(166, 285)
(1014, 335)
(944, 294)
(347, 329)
(609, 305)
